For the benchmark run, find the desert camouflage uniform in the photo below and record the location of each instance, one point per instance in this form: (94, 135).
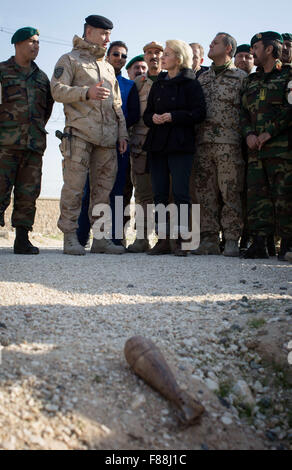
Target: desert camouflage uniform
(219, 163)
(140, 176)
(25, 107)
(93, 128)
(265, 108)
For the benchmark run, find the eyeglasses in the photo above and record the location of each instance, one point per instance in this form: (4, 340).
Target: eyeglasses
(117, 54)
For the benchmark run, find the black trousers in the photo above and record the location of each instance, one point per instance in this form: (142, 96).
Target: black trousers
(178, 167)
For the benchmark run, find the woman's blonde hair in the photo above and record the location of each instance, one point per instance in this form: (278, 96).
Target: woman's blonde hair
(183, 52)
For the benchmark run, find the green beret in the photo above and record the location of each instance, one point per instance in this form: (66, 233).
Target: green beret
(97, 21)
(138, 58)
(243, 48)
(23, 34)
(287, 37)
(269, 35)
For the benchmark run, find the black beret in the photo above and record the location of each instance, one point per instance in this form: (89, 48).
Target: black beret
(287, 36)
(24, 33)
(99, 22)
(269, 35)
(243, 48)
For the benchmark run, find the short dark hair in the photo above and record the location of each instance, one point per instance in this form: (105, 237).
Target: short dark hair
(116, 44)
(229, 40)
(277, 47)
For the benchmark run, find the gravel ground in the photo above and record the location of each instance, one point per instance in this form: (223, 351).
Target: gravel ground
(223, 325)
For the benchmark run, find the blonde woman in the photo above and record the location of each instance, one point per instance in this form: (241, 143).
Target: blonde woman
(175, 104)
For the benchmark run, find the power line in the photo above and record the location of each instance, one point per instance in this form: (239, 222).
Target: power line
(49, 40)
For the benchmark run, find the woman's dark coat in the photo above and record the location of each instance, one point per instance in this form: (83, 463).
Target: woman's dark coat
(183, 97)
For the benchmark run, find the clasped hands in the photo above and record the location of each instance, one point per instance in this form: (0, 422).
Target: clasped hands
(161, 118)
(257, 142)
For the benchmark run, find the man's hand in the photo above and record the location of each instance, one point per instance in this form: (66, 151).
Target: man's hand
(263, 138)
(123, 145)
(98, 92)
(252, 142)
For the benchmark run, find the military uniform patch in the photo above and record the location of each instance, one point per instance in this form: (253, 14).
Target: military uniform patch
(58, 72)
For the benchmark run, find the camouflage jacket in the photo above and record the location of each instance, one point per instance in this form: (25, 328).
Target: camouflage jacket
(222, 94)
(95, 121)
(265, 108)
(139, 131)
(26, 105)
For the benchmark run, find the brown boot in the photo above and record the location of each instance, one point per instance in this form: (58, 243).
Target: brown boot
(162, 247)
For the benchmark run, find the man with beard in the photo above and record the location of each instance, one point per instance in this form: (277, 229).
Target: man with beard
(137, 66)
(287, 48)
(243, 58)
(140, 175)
(266, 125)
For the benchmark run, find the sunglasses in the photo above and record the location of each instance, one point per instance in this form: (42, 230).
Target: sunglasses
(117, 54)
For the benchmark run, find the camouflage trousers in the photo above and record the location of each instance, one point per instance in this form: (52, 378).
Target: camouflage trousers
(81, 158)
(21, 169)
(218, 180)
(269, 196)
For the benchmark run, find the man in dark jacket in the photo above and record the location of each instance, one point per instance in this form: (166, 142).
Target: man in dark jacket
(25, 107)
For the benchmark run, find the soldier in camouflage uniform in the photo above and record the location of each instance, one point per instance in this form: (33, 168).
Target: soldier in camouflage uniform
(140, 175)
(267, 127)
(218, 162)
(25, 107)
(95, 122)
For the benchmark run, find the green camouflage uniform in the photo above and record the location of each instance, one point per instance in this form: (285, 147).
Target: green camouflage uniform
(265, 108)
(25, 107)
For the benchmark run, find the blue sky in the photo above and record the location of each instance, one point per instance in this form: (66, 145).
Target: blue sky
(136, 23)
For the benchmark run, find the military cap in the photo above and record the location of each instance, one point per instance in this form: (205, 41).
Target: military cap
(269, 35)
(287, 37)
(154, 44)
(97, 21)
(24, 33)
(243, 48)
(138, 58)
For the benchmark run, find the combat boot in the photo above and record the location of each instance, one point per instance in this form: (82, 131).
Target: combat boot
(106, 246)
(286, 247)
(209, 246)
(162, 247)
(258, 249)
(139, 246)
(22, 245)
(72, 245)
(231, 248)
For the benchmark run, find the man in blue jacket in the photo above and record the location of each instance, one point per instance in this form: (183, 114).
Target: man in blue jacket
(117, 57)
